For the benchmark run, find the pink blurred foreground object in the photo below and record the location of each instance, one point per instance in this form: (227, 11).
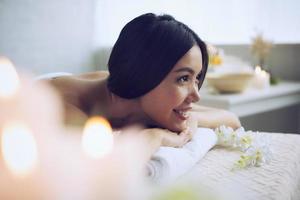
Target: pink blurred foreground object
(40, 158)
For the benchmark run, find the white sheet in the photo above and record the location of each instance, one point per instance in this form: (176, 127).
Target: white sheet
(278, 180)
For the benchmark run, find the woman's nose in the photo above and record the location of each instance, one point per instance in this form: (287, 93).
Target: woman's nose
(194, 95)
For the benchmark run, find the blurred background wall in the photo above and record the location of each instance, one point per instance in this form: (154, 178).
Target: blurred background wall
(47, 35)
(284, 63)
(76, 35)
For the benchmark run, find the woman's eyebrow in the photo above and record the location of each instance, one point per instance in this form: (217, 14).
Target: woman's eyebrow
(185, 69)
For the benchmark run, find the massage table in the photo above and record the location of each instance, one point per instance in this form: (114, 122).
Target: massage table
(277, 180)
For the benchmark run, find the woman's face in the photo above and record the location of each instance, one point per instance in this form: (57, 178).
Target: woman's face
(169, 104)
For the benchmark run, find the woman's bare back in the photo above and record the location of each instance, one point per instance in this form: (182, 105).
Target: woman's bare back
(80, 94)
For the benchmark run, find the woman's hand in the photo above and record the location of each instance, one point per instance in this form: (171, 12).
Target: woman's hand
(169, 138)
(157, 137)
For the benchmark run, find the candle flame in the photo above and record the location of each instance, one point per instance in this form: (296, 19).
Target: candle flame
(97, 139)
(260, 72)
(258, 69)
(18, 148)
(9, 80)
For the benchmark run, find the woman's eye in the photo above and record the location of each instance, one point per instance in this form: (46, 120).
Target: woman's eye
(200, 79)
(199, 76)
(183, 79)
(197, 81)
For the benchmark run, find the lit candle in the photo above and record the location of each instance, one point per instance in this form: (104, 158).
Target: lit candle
(20, 176)
(19, 148)
(28, 117)
(9, 89)
(121, 159)
(31, 125)
(9, 79)
(261, 78)
(19, 97)
(97, 139)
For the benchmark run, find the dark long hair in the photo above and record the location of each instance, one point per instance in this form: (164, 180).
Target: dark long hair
(147, 49)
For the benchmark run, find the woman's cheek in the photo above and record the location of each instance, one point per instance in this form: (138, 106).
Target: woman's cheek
(180, 94)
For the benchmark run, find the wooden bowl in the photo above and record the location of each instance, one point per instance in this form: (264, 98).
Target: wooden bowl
(229, 83)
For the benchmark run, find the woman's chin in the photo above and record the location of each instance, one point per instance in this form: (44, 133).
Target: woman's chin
(178, 127)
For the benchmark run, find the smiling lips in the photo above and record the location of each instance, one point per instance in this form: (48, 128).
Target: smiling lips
(182, 114)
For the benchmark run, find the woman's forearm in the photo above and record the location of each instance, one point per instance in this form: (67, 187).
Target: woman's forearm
(218, 118)
(213, 117)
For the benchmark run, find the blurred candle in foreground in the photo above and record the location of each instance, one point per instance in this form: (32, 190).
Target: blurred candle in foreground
(97, 139)
(9, 80)
(19, 148)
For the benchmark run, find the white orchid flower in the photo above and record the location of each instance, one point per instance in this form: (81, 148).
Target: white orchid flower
(256, 149)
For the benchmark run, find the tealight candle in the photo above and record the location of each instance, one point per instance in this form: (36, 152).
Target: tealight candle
(31, 126)
(261, 78)
(97, 139)
(19, 97)
(9, 79)
(9, 88)
(20, 177)
(29, 116)
(19, 148)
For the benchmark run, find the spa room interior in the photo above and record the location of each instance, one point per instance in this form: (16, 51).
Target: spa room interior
(253, 72)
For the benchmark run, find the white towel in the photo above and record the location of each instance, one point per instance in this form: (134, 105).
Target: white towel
(169, 163)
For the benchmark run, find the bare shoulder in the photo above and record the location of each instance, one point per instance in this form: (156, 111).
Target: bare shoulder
(93, 75)
(66, 83)
(78, 91)
(78, 83)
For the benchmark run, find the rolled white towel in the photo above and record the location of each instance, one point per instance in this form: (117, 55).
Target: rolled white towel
(169, 163)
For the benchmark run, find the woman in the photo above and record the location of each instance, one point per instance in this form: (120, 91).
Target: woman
(156, 68)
